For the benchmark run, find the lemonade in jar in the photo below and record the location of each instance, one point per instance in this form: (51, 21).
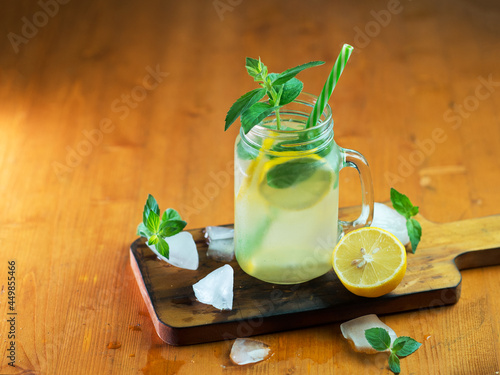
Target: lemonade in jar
(287, 188)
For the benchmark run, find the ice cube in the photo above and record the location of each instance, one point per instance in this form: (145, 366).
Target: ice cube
(216, 288)
(354, 331)
(182, 251)
(245, 351)
(218, 233)
(221, 250)
(387, 218)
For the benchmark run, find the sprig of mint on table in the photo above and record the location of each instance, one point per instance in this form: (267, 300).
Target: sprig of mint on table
(281, 89)
(156, 230)
(402, 205)
(403, 346)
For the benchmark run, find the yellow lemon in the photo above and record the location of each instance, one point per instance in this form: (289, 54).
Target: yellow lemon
(370, 261)
(254, 168)
(295, 182)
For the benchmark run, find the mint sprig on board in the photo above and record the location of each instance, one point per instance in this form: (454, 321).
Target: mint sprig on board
(156, 229)
(281, 89)
(402, 205)
(403, 346)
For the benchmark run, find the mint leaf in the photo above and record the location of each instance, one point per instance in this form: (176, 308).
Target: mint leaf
(272, 84)
(378, 338)
(171, 223)
(153, 240)
(156, 230)
(285, 175)
(163, 248)
(291, 89)
(252, 66)
(171, 214)
(171, 227)
(292, 72)
(150, 206)
(394, 363)
(242, 104)
(404, 346)
(255, 114)
(153, 222)
(271, 77)
(414, 232)
(143, 231)
(398, 344)
(402, 204)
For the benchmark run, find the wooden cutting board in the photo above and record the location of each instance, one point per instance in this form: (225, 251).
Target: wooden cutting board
(432, 279)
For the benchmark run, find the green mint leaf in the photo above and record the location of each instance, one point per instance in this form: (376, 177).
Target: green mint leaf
(262, 70)
(402, 204)
(255, 114)
(153, 222)
(271, 77)
(291, 89)
(163, 248)
(252, 66)
(153, 240)
(171, 214)
(404, 346)
(171, 227)
(242, 104)
(398, 344)
(414, 232)
(143, 231)
(378, 338)
(292, 172)
(278, 96)
(150, 206)
(269, 84)
(394, 363)
(292, 72)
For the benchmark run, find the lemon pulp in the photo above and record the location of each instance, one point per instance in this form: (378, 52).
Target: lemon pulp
(370, 261)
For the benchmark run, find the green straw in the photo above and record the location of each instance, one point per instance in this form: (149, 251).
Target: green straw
(332, 80)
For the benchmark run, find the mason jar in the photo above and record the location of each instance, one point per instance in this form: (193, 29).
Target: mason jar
(287, 195)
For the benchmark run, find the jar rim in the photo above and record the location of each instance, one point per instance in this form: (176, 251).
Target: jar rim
(306, 99)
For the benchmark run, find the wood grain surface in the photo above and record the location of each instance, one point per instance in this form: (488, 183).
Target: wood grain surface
(103, 102)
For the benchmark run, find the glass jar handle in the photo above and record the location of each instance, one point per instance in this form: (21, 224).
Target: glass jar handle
(354, 159)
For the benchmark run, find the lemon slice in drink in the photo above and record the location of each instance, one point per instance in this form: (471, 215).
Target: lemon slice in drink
(370, 261)
(254, 168)
(295, 183)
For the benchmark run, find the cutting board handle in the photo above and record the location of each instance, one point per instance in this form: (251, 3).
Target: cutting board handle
(470, 243)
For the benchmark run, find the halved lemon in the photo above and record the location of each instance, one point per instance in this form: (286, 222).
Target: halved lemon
(370, 262)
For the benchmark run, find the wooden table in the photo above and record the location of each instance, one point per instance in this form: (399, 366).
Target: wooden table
(105, 102)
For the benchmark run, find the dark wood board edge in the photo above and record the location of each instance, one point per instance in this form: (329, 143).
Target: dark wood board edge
(270, 324)
(478, 258)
